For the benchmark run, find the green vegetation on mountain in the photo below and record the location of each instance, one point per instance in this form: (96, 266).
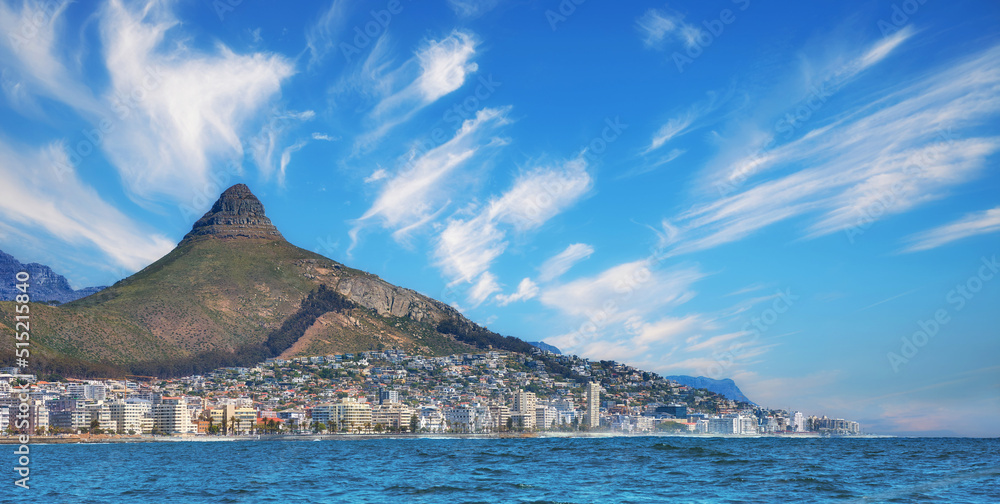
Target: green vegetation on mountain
(233, 290)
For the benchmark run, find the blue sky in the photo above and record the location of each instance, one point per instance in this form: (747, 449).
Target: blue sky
(802, 196)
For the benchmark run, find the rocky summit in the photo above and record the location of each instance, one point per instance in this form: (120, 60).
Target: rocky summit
(236, 214)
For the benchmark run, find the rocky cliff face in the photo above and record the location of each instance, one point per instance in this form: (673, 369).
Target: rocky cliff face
(374, 293)
(45, 284)
(236, 214)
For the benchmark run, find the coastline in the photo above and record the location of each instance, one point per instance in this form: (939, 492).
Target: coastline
(103, 439)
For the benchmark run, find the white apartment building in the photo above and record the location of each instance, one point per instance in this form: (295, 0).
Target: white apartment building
(392, 415)
(724, 425)
(348, 413)
(798, 421)
(546, 417)
(593, 417)
(95, 391)
(130, 416)
(431, 419)
(524, 409)
(170, 416)
(99, 411)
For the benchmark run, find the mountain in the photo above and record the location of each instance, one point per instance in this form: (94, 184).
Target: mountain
(545, 346)
(725, 387)
(45, 284)
(232, 292)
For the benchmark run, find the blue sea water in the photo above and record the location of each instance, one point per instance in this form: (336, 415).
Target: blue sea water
(579, 470)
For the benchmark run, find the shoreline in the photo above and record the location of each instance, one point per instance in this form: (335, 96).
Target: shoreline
(76, 439)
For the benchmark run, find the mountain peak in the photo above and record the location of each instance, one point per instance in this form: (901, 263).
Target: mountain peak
(236, 214)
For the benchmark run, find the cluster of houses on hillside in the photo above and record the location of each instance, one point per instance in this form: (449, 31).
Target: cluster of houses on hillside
(387, 392)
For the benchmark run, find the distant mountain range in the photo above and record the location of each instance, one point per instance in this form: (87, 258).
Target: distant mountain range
(45, 284)
(725, 387)
(545, 346)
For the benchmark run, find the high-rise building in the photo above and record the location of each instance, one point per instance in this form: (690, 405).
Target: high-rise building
(524, 409)
(593, 418)
(798, 422)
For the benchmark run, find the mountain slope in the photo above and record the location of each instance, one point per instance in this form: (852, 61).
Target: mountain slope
(46, 285)
(230, 284)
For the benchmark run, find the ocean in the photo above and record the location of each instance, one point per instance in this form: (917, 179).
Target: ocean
(536, 470)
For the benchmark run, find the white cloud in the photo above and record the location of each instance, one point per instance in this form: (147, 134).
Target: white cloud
(675, 126)
(652, 165)
(878, 160)
(420, 190)
(633, 288)
(189, 109)
(264, 146)
(324, 137)
(657, 26)
(286, 157)
(666, 329)
(376, 175)
(560, 263)
(973, 224)
(438, 68)
(29, 51)
(468, 245)
(321, 36)
(686, 121)
(540, 194)
(41, 191)
(472, 8)
(525, 290)
(617, 303)
(483, 289)
(169, 113)
(445, 64)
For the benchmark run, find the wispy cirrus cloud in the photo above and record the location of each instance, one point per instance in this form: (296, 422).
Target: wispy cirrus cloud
(689, 119)
(438, 68)
(420, 189)
(879, 159)
(265, 147)
(620, 303)
(472, 8)
(321, 36)
(973, 224)
(560, 263)
(168, 112)
(656, 27)
(468, 245)
(32, 53)
(41, 192)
